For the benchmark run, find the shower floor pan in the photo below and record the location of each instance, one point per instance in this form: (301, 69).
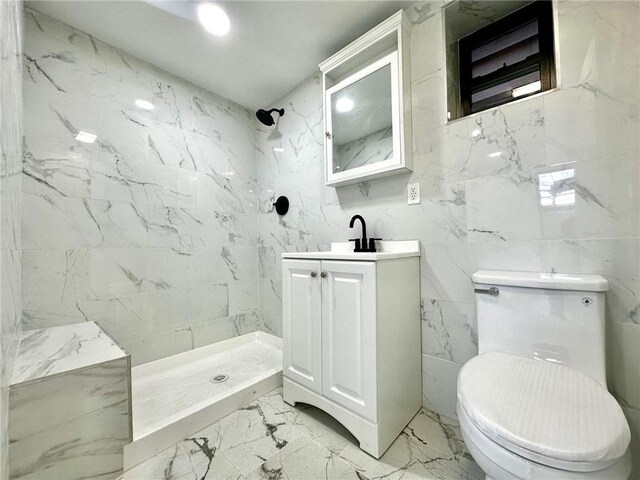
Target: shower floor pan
(177, 396)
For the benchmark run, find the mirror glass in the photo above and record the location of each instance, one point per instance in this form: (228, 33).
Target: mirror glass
(361, 122)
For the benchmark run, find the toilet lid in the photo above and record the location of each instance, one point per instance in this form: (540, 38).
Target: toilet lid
(544, 408)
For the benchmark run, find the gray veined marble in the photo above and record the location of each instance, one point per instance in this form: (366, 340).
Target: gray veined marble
(11, 156)
(69, 405)
(372, 148)
(269, 439)
(151, 230)
(56, 350)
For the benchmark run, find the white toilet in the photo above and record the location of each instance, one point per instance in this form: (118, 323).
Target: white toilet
(534, 403)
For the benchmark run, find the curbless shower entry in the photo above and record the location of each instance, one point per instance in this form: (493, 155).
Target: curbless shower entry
(177, 396)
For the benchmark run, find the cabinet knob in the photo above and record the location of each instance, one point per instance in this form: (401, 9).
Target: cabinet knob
(323, 274)
(313, 274)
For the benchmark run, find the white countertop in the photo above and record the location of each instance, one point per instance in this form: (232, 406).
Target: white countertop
(387, 250)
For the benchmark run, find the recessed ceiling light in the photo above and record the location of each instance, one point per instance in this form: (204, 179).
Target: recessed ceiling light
(144, 105)
(86, 137)
(344, 104)
(213, 19)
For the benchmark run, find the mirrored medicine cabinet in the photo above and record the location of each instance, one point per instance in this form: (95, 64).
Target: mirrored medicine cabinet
(367, 114)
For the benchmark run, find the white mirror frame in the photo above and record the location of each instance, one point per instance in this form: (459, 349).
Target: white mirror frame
(374, 169)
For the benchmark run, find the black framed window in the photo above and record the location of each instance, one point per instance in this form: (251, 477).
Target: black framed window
(510, 59)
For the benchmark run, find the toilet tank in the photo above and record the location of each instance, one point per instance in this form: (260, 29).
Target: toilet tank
(553, 317)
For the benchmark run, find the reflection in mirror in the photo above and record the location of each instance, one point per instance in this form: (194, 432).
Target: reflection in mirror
(361, 122)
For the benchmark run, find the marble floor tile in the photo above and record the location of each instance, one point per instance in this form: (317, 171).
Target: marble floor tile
(272, 440)
(412, 454)
(304, 459)
(430, 447)
(247, 438)
(310, 421)
(192, 458)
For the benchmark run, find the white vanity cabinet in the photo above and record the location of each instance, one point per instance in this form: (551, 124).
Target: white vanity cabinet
(351, 338)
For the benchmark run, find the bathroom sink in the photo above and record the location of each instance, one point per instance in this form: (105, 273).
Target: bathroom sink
(387, 249)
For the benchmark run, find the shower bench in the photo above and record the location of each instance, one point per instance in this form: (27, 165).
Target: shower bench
(69, 404)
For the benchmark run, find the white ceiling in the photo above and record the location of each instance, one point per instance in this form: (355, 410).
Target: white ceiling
(272, 45)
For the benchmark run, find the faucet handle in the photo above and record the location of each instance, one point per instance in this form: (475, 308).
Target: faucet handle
(372, 244)
(357, 247)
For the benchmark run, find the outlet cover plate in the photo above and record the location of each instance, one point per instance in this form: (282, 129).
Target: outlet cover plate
(413, 194)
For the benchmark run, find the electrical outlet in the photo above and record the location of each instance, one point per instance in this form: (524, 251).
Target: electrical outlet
(413, 194)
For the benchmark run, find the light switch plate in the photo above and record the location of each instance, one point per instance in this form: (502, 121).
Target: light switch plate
(413, 194)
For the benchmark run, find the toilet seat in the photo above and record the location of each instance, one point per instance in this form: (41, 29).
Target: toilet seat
(547, 413)
(500, 463)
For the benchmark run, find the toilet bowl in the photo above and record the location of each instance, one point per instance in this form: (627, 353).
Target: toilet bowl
(534, 404)
(523, 418)
(499, 463)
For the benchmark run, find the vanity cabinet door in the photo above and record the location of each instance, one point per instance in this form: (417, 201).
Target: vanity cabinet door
(301, 317)
(349, 335)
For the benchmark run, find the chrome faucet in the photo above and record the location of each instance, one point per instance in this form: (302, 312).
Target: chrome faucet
(364, 245)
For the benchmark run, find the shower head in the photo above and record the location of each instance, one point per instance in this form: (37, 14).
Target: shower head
(265, 116)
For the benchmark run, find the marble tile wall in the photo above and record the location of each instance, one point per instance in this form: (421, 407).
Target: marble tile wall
(10, 202)
(549, 183)
(151, 230)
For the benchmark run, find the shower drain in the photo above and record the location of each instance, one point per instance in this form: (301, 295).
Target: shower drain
(219, 378)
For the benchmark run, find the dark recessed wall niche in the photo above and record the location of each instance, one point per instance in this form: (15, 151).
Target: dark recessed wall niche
(462, 18)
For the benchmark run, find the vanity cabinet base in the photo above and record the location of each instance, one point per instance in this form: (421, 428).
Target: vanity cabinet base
(374, 438)
(351, 338)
